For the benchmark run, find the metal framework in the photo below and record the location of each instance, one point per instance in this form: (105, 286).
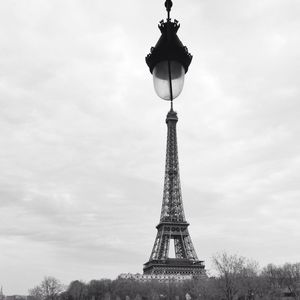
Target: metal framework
(173, 225)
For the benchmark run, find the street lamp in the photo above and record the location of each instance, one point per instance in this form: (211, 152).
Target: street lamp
(169, 60)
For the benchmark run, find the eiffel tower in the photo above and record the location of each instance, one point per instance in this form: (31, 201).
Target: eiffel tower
(173, 226)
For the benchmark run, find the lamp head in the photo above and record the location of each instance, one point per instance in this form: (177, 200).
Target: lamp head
(169, 60)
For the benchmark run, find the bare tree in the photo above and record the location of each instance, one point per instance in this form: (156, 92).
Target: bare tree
(291, 281)
(36, 292)
(282, 279)
(48, 289)
(97, 289)
(237, 276)
(249, 279)
(272, 277)
(77, 290)
(229, 268)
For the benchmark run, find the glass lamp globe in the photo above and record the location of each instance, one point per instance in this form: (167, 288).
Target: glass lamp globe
(162, 73)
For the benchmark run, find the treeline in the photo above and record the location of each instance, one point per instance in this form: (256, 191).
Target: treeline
(235, 278)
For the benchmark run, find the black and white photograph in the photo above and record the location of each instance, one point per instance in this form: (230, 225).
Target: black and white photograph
(150, 150)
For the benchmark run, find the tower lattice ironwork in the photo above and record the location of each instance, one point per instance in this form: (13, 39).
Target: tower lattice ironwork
(173, 226)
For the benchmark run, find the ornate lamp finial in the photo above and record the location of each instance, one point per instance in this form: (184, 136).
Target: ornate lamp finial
(168, 5)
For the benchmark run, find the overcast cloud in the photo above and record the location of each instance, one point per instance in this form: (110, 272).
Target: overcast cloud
(82, 134)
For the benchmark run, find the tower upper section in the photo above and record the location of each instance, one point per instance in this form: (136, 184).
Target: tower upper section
(172, 208)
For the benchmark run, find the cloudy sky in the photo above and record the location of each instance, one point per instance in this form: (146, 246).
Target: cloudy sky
(82, 134)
